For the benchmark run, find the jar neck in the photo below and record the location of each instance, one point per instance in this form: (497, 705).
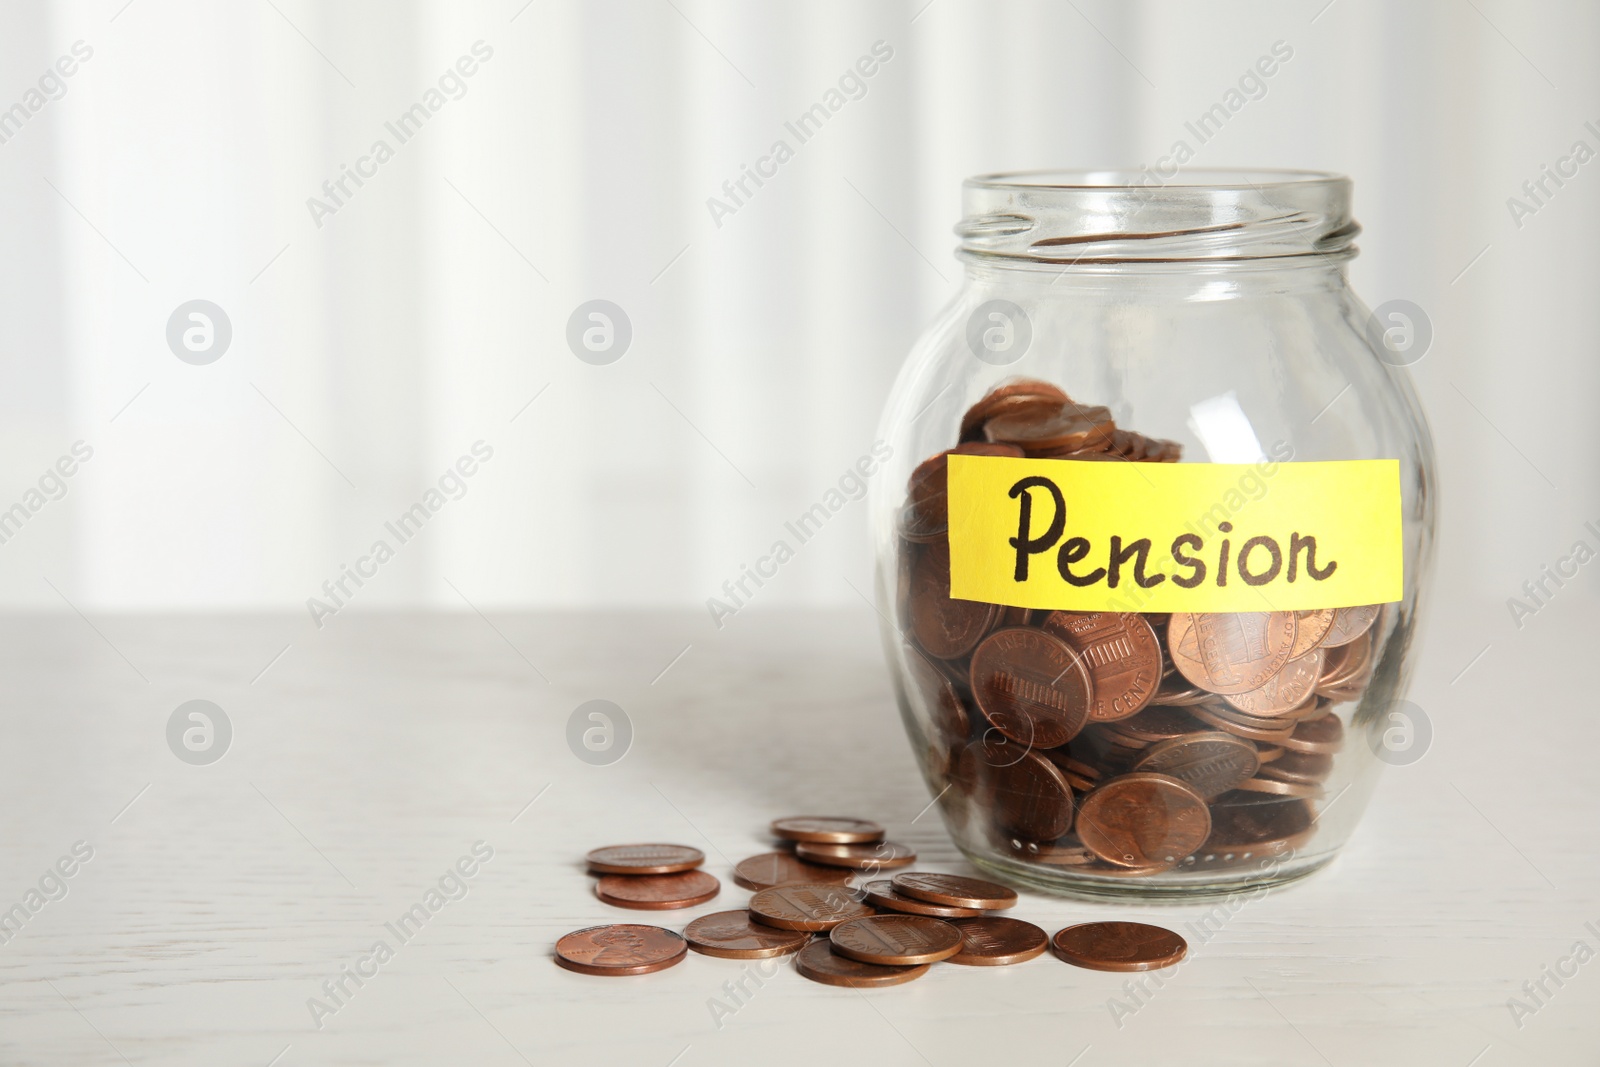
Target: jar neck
(1180, 279)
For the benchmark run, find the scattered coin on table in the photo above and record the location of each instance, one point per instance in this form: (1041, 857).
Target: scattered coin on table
(998, 940)
(866, 857)
(806, 907)
(954, 890)
(896, 940)
(826, 829)
(818, 962)
(644, 859)
(781, 868)
(620, 949)
(657, 892)
(735, 935)
(1118, 946)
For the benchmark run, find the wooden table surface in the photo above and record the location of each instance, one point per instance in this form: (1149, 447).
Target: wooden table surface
(372, 755)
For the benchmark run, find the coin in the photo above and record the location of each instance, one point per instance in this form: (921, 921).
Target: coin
(881, 894)
(1252, 826)
(1143, 820)
(943, 706)
(1286, 690)
(1038, 430)
(1027, 794)
(620, 949)
(657, 892)
(818, 962)
(928, 487)
(644, 859)
(1033, 687)
(1230, 653)
(1119, 946)
(1214, 717)
(1156, 724)
(1350, 623)
(871, 857)
(826, 829)
(1324, 734)
(1310, 627)
(944, 628)
(1303, 768)
(1123, 656)
(780, 868)
(1008, 397)
(733, 935)
(1282, 789)
(806, 907)
(955, 890)
(1209, 763)
(896, 940)
(997, 940)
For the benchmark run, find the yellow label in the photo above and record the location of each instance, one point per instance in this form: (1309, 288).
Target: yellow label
(1100, 536)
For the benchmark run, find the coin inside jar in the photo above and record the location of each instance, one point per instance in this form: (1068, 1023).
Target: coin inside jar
(734, 935)
(878, 855)
(955, 890)
(1143, 820)
(806, 907)
(1230, 652)
(943, 627)
(780, 868)
(998, 940)
(1349, 624)
(1209, 763)
(896, 940)
(881, 893)
(1123, 655)
(1033, 687)
(820, 963)
(620, 949)
(1027, 794)
(1324, 734)
(644, 859)
(826, 829)
(657, 892)
(1286, 690)
(1119, 946)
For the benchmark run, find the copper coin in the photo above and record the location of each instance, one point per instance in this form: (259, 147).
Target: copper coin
(932, 692)
(882, 894)
(733, 935)
(896, 940)
(1302, 768)
(1282, 789)
(657, 892)
(1310, 627)
(780, 868)
(1033, 687)
(1324, 735)
(875, 856)
(620, 949)
(1209, 763)
(1267, 753)
(944, 628)
(1285, 691)
(955, 890)
(1347, 668)
(927, 491)
(1252, 826)
(806, 907)
(914, 527)
(1069, 427)
(1350, 623)
(1027, 794)
(826, 829)
(1143, 820)
(818, 962)
(997, 940)
(1230, 652)
(1213, 717)
(1011, 396)
(1156, 724)
(1123, 655)
(644, 859)
(1119, 946)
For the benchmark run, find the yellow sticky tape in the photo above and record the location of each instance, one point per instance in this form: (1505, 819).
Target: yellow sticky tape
(1106, 536)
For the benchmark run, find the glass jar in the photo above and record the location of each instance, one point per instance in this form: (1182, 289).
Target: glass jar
(1121, 355)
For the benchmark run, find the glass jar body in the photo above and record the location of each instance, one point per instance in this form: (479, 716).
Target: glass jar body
(1259, 363)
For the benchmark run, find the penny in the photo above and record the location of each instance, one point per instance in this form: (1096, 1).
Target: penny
(818, 962)
(870, 857)
(644, 859)
(1303, 768)
(620, 949)
(882, 894)
(1033, 687)
(1011, 396)
(733, 935)
(1282, 789)
(826, 829)
(1027, 794)
(1322, 735)
(1350, 623)
(928, 487)
(1233, 725)
(1347, 667)
(1247, 826)
(1209, 763)
(944, 628)
(955, 890)
(780, 868)
(1068, 428)
(1230, 653)
(806, 907)
(1310, 627)
(896, 940)
(998, 940)
(1143, 820)
(1286, 690)
(1267, 753)
(945, 711)
(657, 892)
(1119, 946)
(1157, 724)
(1123, 655)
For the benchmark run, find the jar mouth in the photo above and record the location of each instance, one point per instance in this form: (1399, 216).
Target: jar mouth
(1095, 217)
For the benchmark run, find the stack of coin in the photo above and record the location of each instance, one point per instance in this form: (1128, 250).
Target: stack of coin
(1109, 742)
(652, 877)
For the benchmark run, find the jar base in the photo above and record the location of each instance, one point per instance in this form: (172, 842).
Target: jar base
(1185, 886)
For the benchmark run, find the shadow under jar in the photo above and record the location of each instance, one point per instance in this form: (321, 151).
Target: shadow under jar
(1181, 687)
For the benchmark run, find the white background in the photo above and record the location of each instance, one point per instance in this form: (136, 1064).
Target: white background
(371, 351)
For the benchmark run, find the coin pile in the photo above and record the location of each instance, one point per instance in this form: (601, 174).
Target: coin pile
(886, 932)
(1115, 744)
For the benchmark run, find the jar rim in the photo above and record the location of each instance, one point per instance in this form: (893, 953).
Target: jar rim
(1220, 178)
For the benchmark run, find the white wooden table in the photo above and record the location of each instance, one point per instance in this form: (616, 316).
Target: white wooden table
(372, 756)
